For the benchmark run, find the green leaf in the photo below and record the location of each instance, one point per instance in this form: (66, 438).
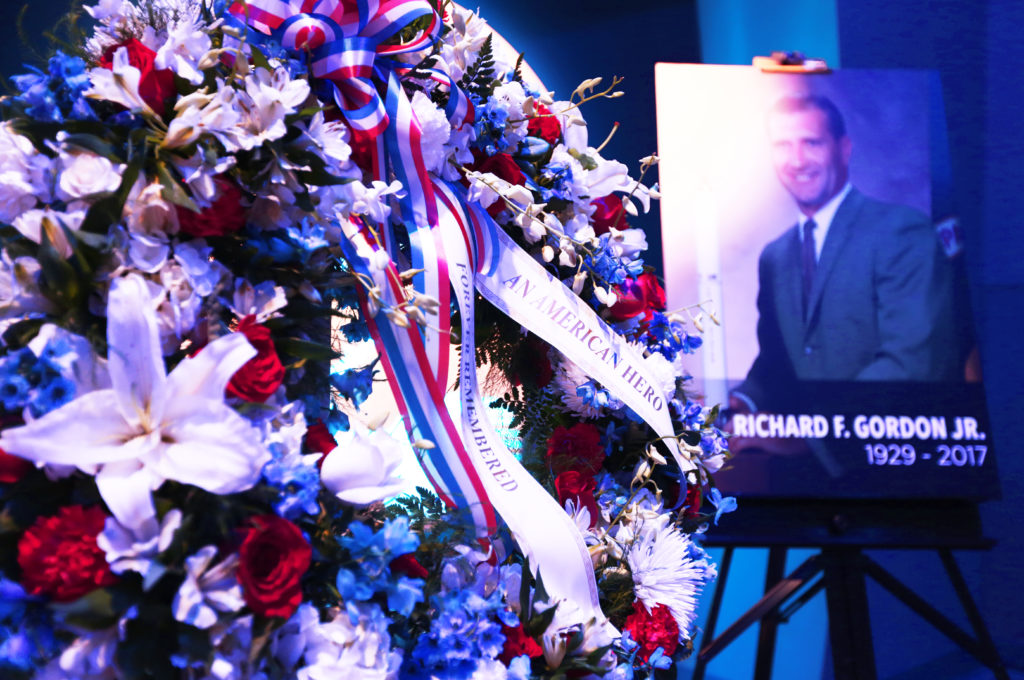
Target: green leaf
(540, 622)
(259, 60)
(94, 611)
(712, 415)
(304, 349)
(58, 276)
(173, 190)
(21, 333)
(94, 144)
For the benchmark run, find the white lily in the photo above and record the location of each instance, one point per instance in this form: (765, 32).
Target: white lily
(150, 426)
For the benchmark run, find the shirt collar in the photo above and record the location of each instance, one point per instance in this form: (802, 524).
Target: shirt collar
(826, 213)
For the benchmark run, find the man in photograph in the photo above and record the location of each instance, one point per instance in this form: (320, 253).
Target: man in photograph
(856, 289)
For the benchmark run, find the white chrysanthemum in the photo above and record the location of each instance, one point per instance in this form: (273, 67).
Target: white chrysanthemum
(668, 569)
(664, 371)
(435, 130)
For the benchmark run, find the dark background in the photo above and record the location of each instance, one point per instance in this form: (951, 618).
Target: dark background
(978, 51)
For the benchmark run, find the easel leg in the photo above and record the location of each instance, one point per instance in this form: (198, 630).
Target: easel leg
(770, 623)
(990, 655)
(716, 607)
(849, 623)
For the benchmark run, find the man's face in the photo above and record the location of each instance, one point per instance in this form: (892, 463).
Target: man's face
(809, 161)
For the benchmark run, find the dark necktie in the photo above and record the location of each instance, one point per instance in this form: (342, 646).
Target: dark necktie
(809, 260)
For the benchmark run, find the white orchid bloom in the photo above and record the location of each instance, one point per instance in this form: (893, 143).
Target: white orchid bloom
(365, 468)
(150, 426)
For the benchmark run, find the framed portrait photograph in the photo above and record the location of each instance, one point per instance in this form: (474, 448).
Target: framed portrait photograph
(802, 229)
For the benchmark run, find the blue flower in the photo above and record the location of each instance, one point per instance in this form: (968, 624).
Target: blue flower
(659, 660)
(556, 182)
(296, 479)
(373, 553)
(14, 391)
(308, 234)
(336, 421)
(352, 587)
(404, 593)
(355, 384)
(58, 94)
(54, 394)
(722, 505)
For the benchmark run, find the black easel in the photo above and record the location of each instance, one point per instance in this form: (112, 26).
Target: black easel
(842, 531)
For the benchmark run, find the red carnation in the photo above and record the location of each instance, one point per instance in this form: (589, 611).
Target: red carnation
(545, 126)
(578, 487)
(273, 557)
(518, 643)
(156, 86)
(657, 628)
(408, 565)
(609, 213)
(225, 215)
(262, 375)
(12, 468)
(59, 557)
(576, 448)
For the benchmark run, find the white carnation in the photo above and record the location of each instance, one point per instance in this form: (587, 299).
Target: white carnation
(435, 131)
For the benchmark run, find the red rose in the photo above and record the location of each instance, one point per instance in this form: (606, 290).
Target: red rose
(225, 215)
(273, 557)
(657, 628)
(578, 487)
(639, 296)
(518, 643)
(319, 440)
(545, 126)
(693, 500)
(156, 86)
(653, 292)
(408, 565)
(630, 301)
(262, 375)
(609, 213)
(501, 165)
(12, 468)
(59, 557)
(575, 448)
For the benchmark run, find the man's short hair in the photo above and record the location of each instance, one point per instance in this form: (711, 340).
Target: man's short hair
(795, 103)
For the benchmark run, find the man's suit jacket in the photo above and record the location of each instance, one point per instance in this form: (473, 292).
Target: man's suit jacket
(880, 307)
